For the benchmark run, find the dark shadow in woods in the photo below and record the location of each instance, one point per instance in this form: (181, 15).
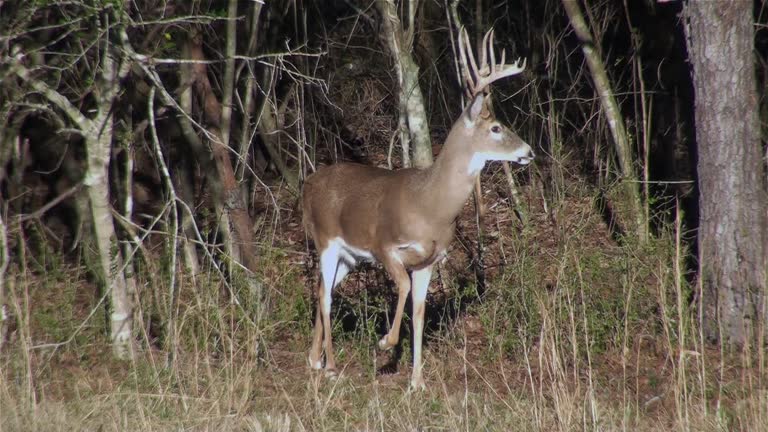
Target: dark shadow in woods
(607, 213)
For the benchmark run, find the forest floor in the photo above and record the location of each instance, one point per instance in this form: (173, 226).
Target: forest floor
(567, 326)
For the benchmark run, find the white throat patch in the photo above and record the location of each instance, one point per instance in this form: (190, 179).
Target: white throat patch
(477, 163)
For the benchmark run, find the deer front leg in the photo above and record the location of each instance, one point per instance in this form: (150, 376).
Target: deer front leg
(398, 273)
(421, 280)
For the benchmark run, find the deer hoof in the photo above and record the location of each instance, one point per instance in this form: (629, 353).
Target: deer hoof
(315, 364)
(417, 385)
(384, 344)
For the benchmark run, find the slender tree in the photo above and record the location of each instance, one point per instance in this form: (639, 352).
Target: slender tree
(604, 89)
(4, 259)
(234, 203)
(413, 114)
(95, 125)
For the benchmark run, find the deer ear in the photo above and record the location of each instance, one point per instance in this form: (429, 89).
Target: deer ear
(487, 111)
(476, 108)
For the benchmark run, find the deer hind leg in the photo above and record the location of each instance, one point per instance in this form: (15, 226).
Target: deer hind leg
(398, 273)
(333, 271)
(316, 352)
(421, 280)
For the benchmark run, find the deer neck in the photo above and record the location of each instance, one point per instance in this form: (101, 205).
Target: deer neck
(449, 181)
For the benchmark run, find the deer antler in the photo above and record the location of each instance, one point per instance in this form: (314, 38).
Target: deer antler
(478, 79)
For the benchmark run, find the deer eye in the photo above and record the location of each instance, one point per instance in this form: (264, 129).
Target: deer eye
(496, 129)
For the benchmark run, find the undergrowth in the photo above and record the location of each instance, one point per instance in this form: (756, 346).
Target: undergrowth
(570, 330)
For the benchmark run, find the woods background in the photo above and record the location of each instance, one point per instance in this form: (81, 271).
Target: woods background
(154, 273)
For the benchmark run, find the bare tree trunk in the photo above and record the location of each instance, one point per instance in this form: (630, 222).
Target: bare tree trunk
(203, 157)
(96, 211)
(268, 131)
(173, 230)
(732, 177)
(9, 135)
(234, 204)
(184, 185)
(478, 194)
(4, 259)
(97, 190)
(613, 113)
(124, 141)
(229, 73)
(98, 143)
(400, 45)
(248, 105)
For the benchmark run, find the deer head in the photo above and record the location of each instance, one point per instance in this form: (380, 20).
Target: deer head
(491, 140)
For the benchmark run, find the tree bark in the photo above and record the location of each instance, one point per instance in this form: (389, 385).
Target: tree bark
(400, 45)
(98, 142)
(732, 179)
(229, 72)
(244, 145)
(94, 205)
(233, 201)
(124, 140)
(268, 131)
(4, 260)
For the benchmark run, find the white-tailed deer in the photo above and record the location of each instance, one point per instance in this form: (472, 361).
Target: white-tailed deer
(405, 219)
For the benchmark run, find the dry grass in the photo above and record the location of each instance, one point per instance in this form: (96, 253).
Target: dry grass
(572, 332)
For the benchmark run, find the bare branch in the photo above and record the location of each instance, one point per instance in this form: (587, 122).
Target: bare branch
(52, 95)
(37, 214)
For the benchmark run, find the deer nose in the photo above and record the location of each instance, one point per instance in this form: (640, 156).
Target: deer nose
(527, 157)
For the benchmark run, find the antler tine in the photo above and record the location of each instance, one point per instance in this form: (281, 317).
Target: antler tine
(484, 54)
(475, 71)
(479, 78)
(500, 70)
(463, 58)
(469, 68)
(489, 47)
(508, 70)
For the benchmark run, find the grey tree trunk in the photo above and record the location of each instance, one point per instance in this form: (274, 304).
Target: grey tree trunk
(98, 142)
(4, 259)
(229, 72)
(400, 44)
(123, 142)
(269, 127)
(9, 131)
(244, 145)
(732, 178)
(94, 205)
(97, 188)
